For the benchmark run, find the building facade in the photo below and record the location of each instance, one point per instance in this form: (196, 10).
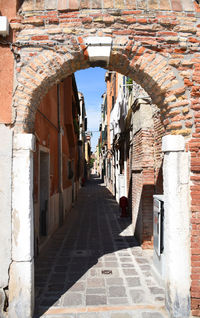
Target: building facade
(58, 161)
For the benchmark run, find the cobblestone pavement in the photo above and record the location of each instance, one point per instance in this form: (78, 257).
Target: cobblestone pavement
(93, 267)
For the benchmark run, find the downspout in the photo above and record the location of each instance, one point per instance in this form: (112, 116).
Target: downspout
(125, 170)
(60, 183)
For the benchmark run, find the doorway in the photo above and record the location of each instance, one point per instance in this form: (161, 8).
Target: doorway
(44, 176)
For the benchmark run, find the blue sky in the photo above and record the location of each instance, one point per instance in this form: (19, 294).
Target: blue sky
(91, 82)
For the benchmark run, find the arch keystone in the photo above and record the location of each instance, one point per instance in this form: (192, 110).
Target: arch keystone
(99, 49)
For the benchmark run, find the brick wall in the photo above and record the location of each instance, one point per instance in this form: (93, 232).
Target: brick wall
(159, 132)
(194, 147)
(147, 167)
(143, 185)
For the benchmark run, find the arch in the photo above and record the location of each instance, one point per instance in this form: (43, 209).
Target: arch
(148, 68)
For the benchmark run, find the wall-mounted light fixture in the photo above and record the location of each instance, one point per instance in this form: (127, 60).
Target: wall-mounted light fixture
(4, 26)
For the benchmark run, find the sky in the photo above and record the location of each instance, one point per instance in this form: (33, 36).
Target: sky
(91, 82)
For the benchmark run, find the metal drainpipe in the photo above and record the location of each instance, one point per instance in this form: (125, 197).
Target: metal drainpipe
(125, 170)
(60, 184)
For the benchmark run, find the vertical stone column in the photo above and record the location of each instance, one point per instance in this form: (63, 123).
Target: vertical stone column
(21, 284)
(6, 136)
(176, 226)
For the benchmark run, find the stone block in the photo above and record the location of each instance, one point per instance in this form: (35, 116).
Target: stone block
(117, 291)
(39, 5)
(108, 4)
(92, 291)
(96, 300)
(22, 198)
(21, 290)
(141, 4)
(85, 4)
(111, 264)
(176, 5)
(187, 5)
(133, 281)
(74, 5)
(96, 4)
(153, 5)
(119, 4)
(72, 299)
(130, 272)
(62, 5)
(6, 137)
(95, 282)
(78, 286)
(138, 296)
(51, 4)
(173, 143)
(24, 142)
(165, 5)
(99, 48)
(28, 5)
(117, 300)
(127, 265)
(114, 281)
(131, 4)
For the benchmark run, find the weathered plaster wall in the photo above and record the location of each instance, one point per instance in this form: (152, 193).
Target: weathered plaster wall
(7, 8)
(46, 132)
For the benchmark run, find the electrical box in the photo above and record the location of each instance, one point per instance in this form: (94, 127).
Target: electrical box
(158, 224)
(4, 26)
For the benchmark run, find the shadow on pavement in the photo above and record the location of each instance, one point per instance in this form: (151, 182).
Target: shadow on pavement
(92, 229)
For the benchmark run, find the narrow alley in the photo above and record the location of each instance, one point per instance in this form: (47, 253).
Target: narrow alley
(93, 267)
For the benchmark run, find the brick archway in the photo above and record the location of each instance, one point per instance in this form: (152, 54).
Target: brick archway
(157, 45)
(149, 69)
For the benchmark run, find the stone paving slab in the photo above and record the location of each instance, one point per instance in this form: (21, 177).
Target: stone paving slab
(94, 261)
